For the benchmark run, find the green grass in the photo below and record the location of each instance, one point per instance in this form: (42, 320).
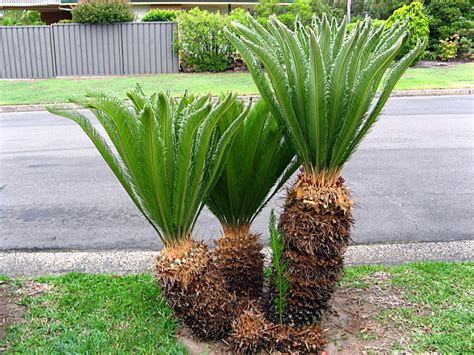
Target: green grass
(103, 313)
(46, 91)
(444, 289)
(96, 313)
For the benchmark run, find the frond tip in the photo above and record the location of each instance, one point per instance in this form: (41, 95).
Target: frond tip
(167, 154)
(320, 82)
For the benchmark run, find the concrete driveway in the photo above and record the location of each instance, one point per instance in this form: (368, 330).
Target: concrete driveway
(412, 180)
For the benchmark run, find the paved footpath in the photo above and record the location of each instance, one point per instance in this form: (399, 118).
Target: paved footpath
(411, 182)
(16, 264)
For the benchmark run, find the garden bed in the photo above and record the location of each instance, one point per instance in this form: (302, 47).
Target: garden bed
(415, 307)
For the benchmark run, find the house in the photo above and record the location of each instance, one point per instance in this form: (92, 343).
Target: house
(54, 10)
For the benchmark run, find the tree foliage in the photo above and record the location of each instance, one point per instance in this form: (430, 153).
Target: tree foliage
(21, 18)
(160, 15)
(167, 156)
(320, 82)
(102, 12)
(417, 28)
(256, 168)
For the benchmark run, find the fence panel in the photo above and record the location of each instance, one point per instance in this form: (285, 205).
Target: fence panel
(82, 50)
(26, 52)
(147, 48)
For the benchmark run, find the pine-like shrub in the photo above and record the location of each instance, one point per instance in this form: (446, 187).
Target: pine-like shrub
(418, 26)
(102, 12)
(159, 15)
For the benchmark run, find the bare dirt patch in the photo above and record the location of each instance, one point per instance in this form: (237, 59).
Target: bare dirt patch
(11, 309)
(350, 325)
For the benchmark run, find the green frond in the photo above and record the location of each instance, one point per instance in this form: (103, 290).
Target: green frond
(320, 82)
(167, 151)
(259, 162)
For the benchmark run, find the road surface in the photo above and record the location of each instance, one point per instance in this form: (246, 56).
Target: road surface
(412, 180)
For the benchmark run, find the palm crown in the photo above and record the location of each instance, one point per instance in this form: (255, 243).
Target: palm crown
(258, 164)
(320, 82)
(167, 155)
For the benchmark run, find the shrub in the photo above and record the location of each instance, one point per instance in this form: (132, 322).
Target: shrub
(65, 21)
(418, 27)
(448, 48)
(201, 42)
(302, 9)
(158, 15)
(446, 18)
(21, 18)
(375, 23)
(102, 12)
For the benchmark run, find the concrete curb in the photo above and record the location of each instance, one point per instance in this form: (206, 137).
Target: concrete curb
(14, 264)
(397, 93)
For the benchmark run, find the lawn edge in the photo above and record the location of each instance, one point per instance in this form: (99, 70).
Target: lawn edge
(36, 263)
(396, 93)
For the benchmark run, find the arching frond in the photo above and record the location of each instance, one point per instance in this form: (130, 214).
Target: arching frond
(320, 83)
(168, 152)
(259, 162)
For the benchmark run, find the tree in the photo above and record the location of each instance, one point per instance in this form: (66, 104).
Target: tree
(320, 84)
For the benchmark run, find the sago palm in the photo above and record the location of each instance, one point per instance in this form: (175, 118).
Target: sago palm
(258, 164)
(167, 157)
(320, 83)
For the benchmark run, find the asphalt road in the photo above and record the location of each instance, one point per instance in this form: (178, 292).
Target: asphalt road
(412, 180)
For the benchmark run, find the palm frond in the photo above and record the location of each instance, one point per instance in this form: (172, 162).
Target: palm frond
(259, 162)
(320, 82)
(167, 152)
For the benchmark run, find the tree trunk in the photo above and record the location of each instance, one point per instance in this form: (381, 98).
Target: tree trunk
(315, 223)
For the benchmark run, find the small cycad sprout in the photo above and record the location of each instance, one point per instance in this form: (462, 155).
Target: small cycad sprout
(279, 276)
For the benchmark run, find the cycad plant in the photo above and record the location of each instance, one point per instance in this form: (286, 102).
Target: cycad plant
(258, 164)
(167, 157)
(320, 83)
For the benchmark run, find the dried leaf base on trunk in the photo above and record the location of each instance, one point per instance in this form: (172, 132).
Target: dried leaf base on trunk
(252, 333)
(239, 259)
(195, 290)
(316, 223)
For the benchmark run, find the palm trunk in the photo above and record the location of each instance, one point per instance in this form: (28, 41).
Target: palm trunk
(195, 289)
(316, 225)
(240, 261)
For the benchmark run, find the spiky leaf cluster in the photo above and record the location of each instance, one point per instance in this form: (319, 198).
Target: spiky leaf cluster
(258, 164)
(280, 277)
(320, 81)
(167, 155)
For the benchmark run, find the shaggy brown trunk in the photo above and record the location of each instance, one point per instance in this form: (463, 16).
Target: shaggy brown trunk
(240, 261)
(253, 333)
(316, 223)
(196, 290)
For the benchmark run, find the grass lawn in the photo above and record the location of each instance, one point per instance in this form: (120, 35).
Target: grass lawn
(16, 92)
(101, 313)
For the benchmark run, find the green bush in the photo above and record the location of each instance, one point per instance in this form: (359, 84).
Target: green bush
(201, 43)
(302, 9)
(102, 12)
(418, 27)
(21, 18)
(65, 21)
(159, 15)
(375, 22)
(446, 18)
(448, 48)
